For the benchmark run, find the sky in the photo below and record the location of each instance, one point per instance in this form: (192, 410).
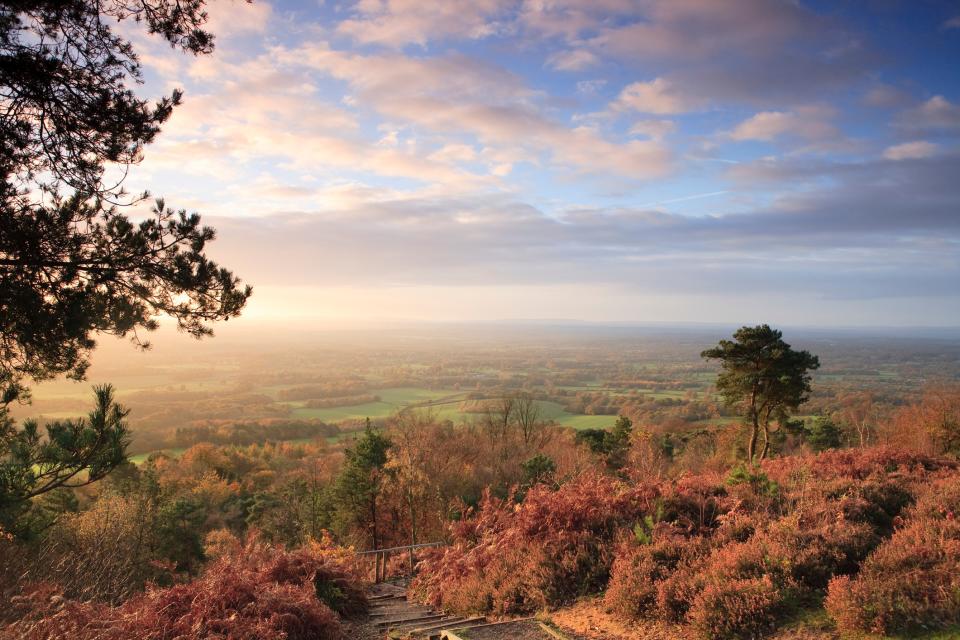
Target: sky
(779, 161)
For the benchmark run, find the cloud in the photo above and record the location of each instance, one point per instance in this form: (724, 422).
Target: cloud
(228, 19)
(884, 95)
(935, 115)
(911, 150)
(810, 123)
(879, 229)
(570, 18)
(741, 51)
(460, 146)
(952, 23)
(454, 95)
(574, 60)
(658, 96)
(396, 23)
(264, 111)
(653, 129)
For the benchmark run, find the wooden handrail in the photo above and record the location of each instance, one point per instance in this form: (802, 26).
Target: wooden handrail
(404, 548)
(380, 557)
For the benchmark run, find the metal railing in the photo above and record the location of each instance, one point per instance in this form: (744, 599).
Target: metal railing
(380, 557)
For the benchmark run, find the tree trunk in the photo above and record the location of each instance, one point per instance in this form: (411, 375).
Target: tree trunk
(766, 441)
(754, 434)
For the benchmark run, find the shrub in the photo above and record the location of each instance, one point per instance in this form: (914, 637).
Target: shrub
(515, 558)
(792, 563)
(696, 503)
(676, 592)
(333, 572)
(910, 583)
(857, 464)
(638, 569)
(257, 591)
(736, 608)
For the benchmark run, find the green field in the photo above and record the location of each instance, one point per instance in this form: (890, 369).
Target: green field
(444, 403)
(391, 401)
(140, 458)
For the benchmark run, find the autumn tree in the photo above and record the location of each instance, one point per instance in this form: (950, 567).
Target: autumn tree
(932, 423)
(500, 416)
(73, 264)
(407, 462)
(859, 412)
(764, 377)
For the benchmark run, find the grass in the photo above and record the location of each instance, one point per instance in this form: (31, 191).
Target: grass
(391, 400)
(140, 458)
(443, 402)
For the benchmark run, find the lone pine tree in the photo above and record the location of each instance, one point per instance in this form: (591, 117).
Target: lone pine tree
(763, 376)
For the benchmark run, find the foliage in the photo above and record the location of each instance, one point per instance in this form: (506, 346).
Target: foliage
(739, 608)
(72, 265)
(932, 423)
(511, 558)
(613, 444)
(359, 485)
(740, 571)
(256, 591)
(823, 433)
(925, 556)
(755, 478)
(538, 469)
(73, 453)
(641, 564)
(764, 376)
(244, 433)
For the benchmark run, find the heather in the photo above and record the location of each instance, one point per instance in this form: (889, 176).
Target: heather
(510, 557)
(253, 591)
(726, 556)
(924, 557)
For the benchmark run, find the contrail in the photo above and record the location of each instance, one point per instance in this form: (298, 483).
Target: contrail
(694, 197)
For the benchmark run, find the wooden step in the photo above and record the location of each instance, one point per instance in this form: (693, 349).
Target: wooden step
(452, 633)
(435, 629)
(390, 611)
(395, 622)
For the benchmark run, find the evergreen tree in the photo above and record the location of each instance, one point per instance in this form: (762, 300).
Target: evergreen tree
(765, 377)
(72, 264)
(359, 485)
(71, 453)
(823, 433)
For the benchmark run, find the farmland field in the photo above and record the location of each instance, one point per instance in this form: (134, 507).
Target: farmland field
(578, 381)
(443, 403)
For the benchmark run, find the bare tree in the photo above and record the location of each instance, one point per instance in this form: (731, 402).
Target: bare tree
(528, 416)
(500, 416)
(860, 412)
